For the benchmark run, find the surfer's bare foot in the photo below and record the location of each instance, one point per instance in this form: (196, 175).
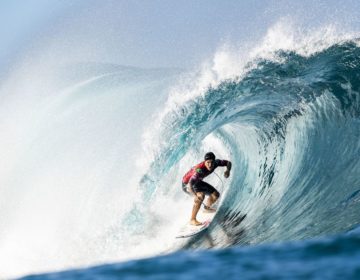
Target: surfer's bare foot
(195, 223)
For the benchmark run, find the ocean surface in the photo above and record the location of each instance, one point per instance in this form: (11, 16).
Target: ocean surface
(326, 258)
(95, 157)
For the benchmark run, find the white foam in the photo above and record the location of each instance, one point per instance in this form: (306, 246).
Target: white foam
(28, 99)
(232, 62)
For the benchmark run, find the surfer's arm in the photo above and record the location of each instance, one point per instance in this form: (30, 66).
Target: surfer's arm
(191, 185)
(191, 190)
(228, 168)
(193, 180)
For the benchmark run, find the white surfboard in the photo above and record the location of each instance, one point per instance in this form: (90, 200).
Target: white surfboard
(189, 230)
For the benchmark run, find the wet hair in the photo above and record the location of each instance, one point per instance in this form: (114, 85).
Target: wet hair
(209, 155)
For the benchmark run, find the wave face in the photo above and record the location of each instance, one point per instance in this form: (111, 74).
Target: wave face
(291, 127)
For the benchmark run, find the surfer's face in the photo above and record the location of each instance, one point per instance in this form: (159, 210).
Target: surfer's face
(209, 164)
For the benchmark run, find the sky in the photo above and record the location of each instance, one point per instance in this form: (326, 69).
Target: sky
(157, 33)
(39, 35)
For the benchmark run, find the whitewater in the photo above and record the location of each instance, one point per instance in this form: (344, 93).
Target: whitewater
(93, 155)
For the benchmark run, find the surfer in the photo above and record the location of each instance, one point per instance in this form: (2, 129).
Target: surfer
(193, 184)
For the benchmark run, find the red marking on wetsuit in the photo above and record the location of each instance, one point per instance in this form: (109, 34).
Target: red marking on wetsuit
(199, 171)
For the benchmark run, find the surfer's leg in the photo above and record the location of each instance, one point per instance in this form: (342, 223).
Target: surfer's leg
(213, 197)
(197, 204)
(208, 190)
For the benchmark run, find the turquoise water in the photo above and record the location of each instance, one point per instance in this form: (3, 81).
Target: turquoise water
(291, 208)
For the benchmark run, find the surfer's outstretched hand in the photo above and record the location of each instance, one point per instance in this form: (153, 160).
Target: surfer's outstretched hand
(227, 173)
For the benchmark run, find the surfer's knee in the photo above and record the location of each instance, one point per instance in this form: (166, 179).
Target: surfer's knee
(216, 194)
(199, 197)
